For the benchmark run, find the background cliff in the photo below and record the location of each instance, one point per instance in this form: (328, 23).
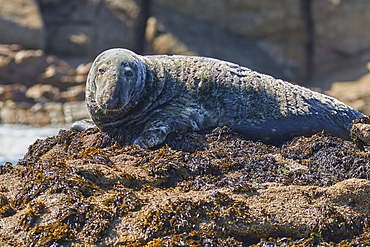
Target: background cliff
(310, 42)
(297, 40)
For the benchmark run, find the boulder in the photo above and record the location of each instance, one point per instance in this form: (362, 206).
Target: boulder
(31, 76)
(75, 93)
(29, 67)
(22, 66)
(14, 92)
(74, 111)
(342, 34)
(170, 32)
(275, 28)
(42, 113)
(21, 23)
(85, 28)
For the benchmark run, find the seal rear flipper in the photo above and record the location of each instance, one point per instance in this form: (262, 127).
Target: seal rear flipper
(360, 132)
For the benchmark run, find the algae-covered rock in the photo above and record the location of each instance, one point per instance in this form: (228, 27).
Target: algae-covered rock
(201, 189)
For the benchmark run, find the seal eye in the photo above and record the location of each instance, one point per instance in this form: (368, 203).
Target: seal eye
(101, 71)
(128, 73)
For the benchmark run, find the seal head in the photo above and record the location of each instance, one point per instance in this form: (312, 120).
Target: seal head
(115, 85)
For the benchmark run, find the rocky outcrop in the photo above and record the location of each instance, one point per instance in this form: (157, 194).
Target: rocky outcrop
(309, 39)
(299, 41)
(85, 28)
(22, 23)
(215, 189)
(342, 34)
(169, 32)
(83, 188)
(40, 89)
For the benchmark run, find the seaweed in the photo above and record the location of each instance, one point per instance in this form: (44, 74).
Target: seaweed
(205, 178)
(5, 208)
(30, 217)
(197, 220)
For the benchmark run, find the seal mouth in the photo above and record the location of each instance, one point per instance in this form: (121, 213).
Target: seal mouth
(112, 104)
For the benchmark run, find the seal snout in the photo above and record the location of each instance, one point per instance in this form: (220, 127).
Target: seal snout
(112, 104)
(112, 99)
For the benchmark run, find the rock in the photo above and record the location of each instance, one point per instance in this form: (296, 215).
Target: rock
(83, 188)
(354, 191)
(353, 93)
(342, 34)
(23, 66)
(74, 111)
(172, 33)
(83, 69)
(281, 30)
(85, 28)
(29, 67)
(42, 113)
(264, 18)
(21, 23)
(29, 76)
(54, 111)
(81, 72)
(76, 93)
(299, 41)
(43, 93)
(14, 92)
(275, 29)
(162, 41)
(58, 73)
(15, 113)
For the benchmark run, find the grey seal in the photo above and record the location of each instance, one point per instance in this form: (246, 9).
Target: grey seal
(169, 93)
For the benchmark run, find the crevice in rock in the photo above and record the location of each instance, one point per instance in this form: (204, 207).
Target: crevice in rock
(308, 20)
(139, 36)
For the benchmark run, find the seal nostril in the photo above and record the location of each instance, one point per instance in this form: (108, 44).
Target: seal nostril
(128, 73)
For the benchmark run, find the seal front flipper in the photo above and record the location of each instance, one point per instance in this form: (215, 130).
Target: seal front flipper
(152, 136)
(156, 131)
(83, 125)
